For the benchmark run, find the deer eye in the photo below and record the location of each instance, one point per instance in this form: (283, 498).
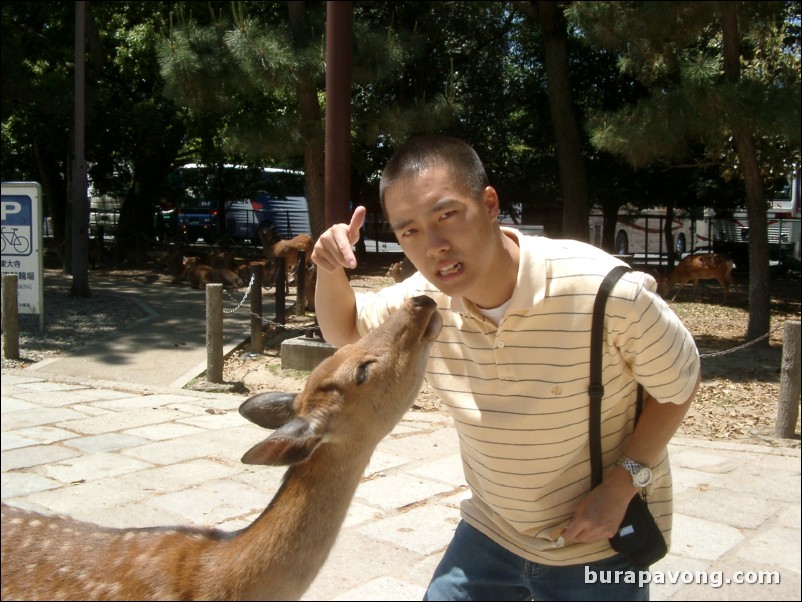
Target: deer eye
(362, 372)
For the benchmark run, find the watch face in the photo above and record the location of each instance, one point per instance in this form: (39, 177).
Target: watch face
(643, 477)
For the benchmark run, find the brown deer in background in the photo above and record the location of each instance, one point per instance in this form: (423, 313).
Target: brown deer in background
(401, 270)
(700, 267)
(199, 274)
(273, 247)
(326, 434)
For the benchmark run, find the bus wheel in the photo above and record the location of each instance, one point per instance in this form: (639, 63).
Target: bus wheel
(622, 243)
(680, 245)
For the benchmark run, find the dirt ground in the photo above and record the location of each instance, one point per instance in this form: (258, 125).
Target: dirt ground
(738, 397)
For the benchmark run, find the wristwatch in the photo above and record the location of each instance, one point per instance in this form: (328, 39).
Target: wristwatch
(641, 475)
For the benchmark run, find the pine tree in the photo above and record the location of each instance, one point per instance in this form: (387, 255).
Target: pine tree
(723, 76)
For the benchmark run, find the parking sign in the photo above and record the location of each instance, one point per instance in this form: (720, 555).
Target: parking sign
(21, 212)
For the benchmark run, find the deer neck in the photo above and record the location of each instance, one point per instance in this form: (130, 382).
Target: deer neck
(283, 550)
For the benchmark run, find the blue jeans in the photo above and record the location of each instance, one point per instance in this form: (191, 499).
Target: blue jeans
(474, 567)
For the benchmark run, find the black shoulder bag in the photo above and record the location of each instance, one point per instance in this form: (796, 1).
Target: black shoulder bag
(639, 538)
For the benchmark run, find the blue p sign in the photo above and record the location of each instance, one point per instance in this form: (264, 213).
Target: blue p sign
(16, 225)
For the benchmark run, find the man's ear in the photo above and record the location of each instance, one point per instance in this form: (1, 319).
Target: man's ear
(491, 202)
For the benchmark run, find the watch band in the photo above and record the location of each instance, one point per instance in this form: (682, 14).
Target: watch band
(641, 475)
(630, 464)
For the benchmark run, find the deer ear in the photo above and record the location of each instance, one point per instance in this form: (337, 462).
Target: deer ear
(269, 410)
(292, 443)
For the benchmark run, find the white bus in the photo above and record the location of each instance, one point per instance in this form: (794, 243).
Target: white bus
(729, 232)
(639, 232)
(104, 214)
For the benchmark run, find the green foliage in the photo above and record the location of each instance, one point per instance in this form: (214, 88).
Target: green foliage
(169, 82)
(237, 76)
(674, 50)
(37, 58)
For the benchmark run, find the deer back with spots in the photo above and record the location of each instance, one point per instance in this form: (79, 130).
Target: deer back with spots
(703, 266)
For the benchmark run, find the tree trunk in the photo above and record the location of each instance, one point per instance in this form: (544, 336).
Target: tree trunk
(573, 178)
(314, 159)
(311, 125)
(610, 209)
(54, 191)
(135, 228)
(759, 305)
(79, 228)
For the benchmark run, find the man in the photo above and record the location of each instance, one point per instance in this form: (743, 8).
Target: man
(512, 366)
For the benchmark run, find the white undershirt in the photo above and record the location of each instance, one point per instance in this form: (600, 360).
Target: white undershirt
(494, 314)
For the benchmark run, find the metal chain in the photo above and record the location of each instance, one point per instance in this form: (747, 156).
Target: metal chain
(284, 326)
(244, 297)
(264, 320)
(734, 349)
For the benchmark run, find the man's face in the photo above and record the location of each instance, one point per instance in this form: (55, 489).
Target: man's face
(450, 236)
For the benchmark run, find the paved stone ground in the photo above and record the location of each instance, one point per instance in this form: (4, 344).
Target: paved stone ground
(128, 455)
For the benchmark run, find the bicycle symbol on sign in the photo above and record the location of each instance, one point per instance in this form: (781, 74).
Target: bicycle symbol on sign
(20, 244)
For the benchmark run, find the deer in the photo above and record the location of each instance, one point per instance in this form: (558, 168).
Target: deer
(273, 247)
(326, 435)
(199, 274)
(310, 285)
(219, 259)
(700, 267)
(401, 270)
(243, 270)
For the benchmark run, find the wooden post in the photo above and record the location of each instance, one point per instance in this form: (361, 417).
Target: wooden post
(788, 405)
(257, 341)
(214, 333)
(10, 317)
(281, 291)
(300, 285)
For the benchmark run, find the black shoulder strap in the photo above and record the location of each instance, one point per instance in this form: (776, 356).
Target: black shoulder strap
(596, 389)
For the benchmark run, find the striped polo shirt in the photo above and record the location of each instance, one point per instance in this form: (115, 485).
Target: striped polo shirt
(518, 391)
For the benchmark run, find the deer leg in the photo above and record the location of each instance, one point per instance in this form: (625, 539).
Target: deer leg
(725, 286)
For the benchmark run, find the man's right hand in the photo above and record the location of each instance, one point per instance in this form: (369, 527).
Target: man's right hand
(334, 248)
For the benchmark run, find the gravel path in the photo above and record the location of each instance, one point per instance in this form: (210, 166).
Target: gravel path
(69, 322)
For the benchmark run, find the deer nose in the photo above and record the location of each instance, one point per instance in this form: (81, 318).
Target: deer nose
(423, 301)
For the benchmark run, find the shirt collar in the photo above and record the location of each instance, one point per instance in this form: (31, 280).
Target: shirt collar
(530, 285)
